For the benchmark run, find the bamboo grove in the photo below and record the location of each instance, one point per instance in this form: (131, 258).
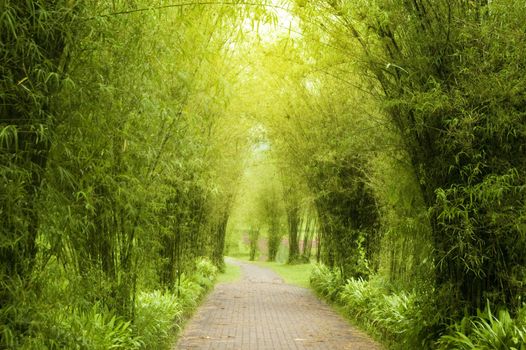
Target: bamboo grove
(384, 139)
(113, 123)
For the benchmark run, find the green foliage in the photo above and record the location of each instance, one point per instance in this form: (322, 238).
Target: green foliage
(205, 273)
(328, 283)
(487, 331)
(272, 211)
(405, 250)
(157, 314)
(35, 39)
(112, 179)
(187, 289)
(49, 324)
(92, 329)
(403, 320)
(190, 288)
(462, 138)
(134, 135)
(349, 216)
(322, 142)
(63, 318)
(449, 183)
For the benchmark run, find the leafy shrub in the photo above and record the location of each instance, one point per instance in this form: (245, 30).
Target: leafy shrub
(59, 318)
(205, 273)
(487, 331)
(326, 282)
(157, 313)
(188, 292)
(96, 328)
(356, 297)
(190, 288)
(53, 314)
(401, 319)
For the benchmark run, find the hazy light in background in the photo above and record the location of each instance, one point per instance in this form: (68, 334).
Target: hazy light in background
(287, 25)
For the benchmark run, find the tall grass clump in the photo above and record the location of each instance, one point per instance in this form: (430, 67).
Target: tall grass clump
(401, 319)
(487, 331)
(158, 315)
(95, 328)
(326, 282)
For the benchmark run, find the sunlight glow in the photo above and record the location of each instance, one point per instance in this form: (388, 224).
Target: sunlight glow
(285, 25)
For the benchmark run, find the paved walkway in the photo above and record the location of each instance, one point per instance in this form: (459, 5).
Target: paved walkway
(260, 312)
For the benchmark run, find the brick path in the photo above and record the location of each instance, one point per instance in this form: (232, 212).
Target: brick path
(260, 312)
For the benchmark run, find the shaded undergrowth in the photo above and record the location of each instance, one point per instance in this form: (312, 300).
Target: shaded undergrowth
(411, 320)
(60, 318)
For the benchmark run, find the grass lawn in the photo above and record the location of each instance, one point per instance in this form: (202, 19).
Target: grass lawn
(232, 273)
(298, 275)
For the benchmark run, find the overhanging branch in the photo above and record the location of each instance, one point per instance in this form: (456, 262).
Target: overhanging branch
(186, 4)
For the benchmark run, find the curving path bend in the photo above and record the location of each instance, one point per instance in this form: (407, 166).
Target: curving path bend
(261, 312)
